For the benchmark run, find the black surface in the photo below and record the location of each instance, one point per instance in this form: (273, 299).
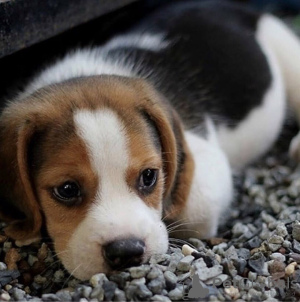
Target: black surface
(24, 23)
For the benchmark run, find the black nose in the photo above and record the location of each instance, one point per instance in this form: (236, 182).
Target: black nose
(124, 253)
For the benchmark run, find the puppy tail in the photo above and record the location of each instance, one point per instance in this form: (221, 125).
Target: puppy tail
(285, 45)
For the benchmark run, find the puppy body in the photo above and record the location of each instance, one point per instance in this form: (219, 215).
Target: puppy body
(185, 93)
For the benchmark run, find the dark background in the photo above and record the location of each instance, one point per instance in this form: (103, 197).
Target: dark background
(34, 35)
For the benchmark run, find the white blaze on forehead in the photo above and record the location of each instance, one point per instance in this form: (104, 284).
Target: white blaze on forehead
(105, 137)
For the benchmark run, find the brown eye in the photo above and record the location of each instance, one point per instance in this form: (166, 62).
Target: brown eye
(68, 193)
(148, 180)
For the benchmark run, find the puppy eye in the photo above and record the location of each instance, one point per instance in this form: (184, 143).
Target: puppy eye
(147, 180)
(69, 193)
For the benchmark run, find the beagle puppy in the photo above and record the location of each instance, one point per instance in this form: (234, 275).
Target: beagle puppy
(109, 144)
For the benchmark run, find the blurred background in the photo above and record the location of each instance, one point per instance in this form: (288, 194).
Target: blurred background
(35, 33)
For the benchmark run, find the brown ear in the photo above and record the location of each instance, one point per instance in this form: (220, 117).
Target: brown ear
(159, 114)
(18, 204)
(178, 161)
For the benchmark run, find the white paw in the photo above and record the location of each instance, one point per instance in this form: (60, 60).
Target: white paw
(294, 150)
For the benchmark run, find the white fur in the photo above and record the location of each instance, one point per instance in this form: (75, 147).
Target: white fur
(258, 131)
(89, 62)
(145, 41)
(286, 46)
(117, 212)
(211, 190)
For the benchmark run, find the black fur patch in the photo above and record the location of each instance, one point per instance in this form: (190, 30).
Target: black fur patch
(213, 64)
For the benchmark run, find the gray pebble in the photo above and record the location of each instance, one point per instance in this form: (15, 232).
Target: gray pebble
(296, 230)
(256, 262)
(296, 246)
(184, 264)
(157, 285)
(171, 280)
(154, 273)
(138, 281)
(119, 295)
(243, 253)
(32, 259)
(50, 297)
(204, 272)
(143, 292)
(98, 279)
(160, 298)
(159, 258)
(64, 295)
(3, 266)
(177, 293)
(139, 271)
(278, 256)
(97, 293)
(58, 276)
(18, 294)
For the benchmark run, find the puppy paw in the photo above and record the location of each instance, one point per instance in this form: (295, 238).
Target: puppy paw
(294, 150)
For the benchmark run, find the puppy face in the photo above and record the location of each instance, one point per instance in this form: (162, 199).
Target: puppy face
(95, 163)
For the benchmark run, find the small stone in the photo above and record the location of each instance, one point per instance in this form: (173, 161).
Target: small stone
(253, 243)
(256, 262)
(160, 298)
(159, 258)
(240, 265)
(231, 253)
(157, 285)
(187, 250)
(296, 230)
(243, 253)
(139, 281)
(177, 293)
(49, 297)
(139, 271)
(119, 295)
(281, 230)
(64, 295)
(171, 280)
(229, 268)
(295, 257)
(11, 259)
(3, 266)
(58, 276)
(98, 279)
(289, 270)
(43, 252)
(252, 276)
(278, 256)
(184, 264)
(197, 243)
(7, 287)
(267, 218)
(120, 278)
(18, 294)
(216, 241)
(7, 246)
(296, 246)
(232, 292)
(287, 244)
(276, 266)
(204, 272)
(143, 293)
(32, 259)
(40, 279)
(5, 297)
(7, 276)
(154, 273)
(109, 289)
(239, 229)
(98, 293)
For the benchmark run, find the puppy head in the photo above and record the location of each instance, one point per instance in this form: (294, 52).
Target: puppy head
(93, 160)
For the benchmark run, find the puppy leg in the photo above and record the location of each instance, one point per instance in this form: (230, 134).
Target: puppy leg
(286, 47)
(211, 190)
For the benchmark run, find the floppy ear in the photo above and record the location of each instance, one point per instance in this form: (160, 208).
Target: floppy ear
(162, 119)
(178, 161)
(18, 204)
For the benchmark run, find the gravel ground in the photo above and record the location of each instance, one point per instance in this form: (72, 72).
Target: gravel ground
(256, 256)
